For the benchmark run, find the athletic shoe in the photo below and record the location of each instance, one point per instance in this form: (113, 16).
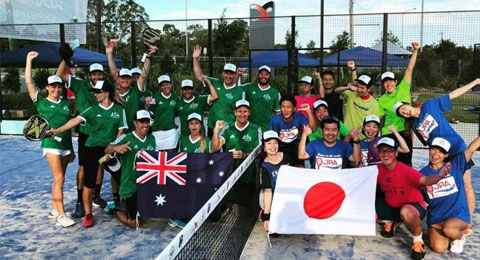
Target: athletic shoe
(54, 214)
(99, 202)
(111, 208)
(418, 250)
(65, 221)
(175, 222)
(388, 229)
(79, 210)
(88, 220)
(456, 247)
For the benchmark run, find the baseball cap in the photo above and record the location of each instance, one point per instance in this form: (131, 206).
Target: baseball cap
(270, 134)
(242, 102)
(319, 103)
(397, 106)
(163, 78)
(365, 80)
(388, 75)
(96, 67)
(54, 79)
(387, 141)
(142, 114)
(442, 143)
(136, 70)
(186, 83)
(371, 118)
(307, 79)
(113, 164)
(194, 116)
(265, 67)
(230, 67)
(102, 85)
(125, 72)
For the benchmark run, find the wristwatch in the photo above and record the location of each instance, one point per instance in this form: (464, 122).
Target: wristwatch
(265, 217)
(356, 141)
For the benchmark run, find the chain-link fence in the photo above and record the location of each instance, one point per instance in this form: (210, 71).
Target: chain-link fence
(449, 57)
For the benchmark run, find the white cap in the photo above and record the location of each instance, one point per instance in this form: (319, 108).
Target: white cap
(163, 78)
(102, 85)
(136, 70)
(371, 118)
(319, 103)
(194, 116)
(397, 106)
(307, 79)
(270, 134)
(387, 141)
(365, 80)
(186, 83)
(230, 67)
(114, 164)
(125, 72)
(265, 67)
(142, 114)
(96, 67)
(242, 102)
(388, 75)
(442, 143)
(54, 79)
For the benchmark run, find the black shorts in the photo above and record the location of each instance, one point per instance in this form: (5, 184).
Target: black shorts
(129, 206)
(82, 139)
(92, 155)
(385, 212)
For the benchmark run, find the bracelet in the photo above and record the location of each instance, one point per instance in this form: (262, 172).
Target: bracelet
(265, 217)
(353, 70)
(356, 141)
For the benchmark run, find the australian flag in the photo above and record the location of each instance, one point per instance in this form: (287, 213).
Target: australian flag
(177, 185)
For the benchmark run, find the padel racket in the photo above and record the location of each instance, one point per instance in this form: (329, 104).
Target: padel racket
(36, 129)
(150, 37)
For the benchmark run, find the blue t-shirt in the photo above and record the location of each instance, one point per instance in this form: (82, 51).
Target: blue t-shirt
(335, 157)
(288, 133)
(432, 123)
(447, 198)
(269, 172)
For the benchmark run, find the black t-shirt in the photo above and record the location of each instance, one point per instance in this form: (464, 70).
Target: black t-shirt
(335, 105)
(269, 171)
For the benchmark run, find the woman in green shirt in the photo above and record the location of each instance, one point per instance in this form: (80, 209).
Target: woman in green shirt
(58, 154)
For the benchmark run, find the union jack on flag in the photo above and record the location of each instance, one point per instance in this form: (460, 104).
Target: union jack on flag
(161, 168)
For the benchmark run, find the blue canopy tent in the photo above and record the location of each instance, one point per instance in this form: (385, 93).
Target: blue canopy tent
(279, 58)
(363, 57)
(49, 57)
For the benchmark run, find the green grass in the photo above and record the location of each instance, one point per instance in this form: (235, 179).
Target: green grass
(458, 106)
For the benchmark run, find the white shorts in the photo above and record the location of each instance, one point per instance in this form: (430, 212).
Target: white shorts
(166, 139)
(56, 151)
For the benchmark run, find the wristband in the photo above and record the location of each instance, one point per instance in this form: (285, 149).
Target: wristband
(353, 70)
(356, 141)
(265, 217)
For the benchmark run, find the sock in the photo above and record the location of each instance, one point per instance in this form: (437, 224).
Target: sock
(418, 238)
(79, 195)
(98, 188)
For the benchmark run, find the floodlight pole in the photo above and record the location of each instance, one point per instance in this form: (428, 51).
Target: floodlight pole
(322, 16)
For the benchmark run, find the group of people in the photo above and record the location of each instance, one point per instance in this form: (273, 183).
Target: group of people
(336, 128)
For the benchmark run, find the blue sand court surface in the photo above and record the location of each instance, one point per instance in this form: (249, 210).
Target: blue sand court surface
(26, 232)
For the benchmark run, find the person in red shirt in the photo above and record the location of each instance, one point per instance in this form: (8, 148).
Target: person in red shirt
(398, 194)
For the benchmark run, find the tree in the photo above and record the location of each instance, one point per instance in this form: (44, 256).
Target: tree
(341, 42)
(11, 82)
(230, 39)
(390, 37)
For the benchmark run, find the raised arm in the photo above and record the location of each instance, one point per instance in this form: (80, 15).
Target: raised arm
(238, 74)
(62, 71)
(305, 107)
(32, 91)
(403, 145)
(197, 70)
(321, 89)
(217, 142)
(411, 62)
(111, 62)
(302, 152)
(353, 70)
(356, 155)
(460, 91)
(472, 147)
(146, 67)
(213, 92)
(433, 179)
(350, 86)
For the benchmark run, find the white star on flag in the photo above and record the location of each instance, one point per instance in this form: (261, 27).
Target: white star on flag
(210, 162)
(199, 180)
(160, 199)
(221, 174)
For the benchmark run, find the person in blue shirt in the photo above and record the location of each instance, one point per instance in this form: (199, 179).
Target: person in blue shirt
(328, 152)
(448, 216)
(289, 126)
(429, 122)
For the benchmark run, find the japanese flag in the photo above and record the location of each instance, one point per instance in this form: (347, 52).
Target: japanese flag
(309, 201)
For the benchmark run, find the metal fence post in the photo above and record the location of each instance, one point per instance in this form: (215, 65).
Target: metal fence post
(62, 41)
(210, 48)
(133, 41)
(384, 42)
(292, 62)
(322, 16)
(98, 21)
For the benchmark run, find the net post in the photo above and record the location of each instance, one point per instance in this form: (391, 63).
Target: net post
(210, 48)
(133, 43)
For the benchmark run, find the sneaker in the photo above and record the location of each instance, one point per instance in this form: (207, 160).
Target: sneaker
(99, 202)
(418, 250)
(65, 221)
(175, 222)
(456, 247)
(88, 220)
(388, 229)
(54, 214)
(111, 208)
(79, 210)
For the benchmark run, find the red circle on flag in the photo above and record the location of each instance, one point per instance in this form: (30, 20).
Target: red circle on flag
(323, 200)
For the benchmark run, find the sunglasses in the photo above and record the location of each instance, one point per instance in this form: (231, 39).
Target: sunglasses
(98, 91)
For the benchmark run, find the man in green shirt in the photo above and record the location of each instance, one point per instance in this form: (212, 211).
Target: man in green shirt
(126, 146)
(265, 98)
(240, 138)
(227, 90)
(397, 93)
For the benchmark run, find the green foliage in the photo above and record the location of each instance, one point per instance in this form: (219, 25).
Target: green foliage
(11, 82)
(12, 101)
(41, 78)
(341, 42)
(230, 39)
(390, 37)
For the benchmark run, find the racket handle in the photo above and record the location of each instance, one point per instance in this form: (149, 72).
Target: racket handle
(57, 138)
(144, 57)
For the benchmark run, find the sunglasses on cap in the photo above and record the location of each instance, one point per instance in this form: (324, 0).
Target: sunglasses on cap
(98, 91)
